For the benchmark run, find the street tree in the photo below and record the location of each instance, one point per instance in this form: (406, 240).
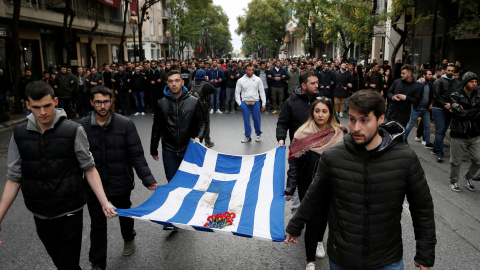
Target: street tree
(68, 35)
(264, 25)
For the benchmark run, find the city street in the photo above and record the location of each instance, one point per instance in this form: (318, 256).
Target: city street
(457, 219)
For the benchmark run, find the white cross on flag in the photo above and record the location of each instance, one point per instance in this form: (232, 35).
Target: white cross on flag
(208, 183)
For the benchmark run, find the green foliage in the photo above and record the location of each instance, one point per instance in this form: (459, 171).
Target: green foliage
(200, 23)
(263, 26)
(469, 18)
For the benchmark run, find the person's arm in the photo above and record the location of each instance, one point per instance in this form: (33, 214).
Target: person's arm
(437, 92)
(261, 91)
(293, 166)
(421, 209)
(156, 133)
(459, 111)
(238, 90)
(137, 156)
(200, 121)
(87, 164)
(8, 197)
(282, 123)
(391, 92)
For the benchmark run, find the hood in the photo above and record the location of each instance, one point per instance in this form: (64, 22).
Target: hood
(298, 90)
(32, 123)
(390, 132)
(446, 77)
(200, 75)
(167, 93)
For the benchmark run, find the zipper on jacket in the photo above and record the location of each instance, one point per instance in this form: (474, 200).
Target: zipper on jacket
(176, 123)
(365, 213)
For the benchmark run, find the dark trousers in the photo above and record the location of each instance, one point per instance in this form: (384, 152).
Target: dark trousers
(62, 237)
(83, 105)
(123, 99)
(316, 226)
(171, 162)
(66, 104)
(98, 232)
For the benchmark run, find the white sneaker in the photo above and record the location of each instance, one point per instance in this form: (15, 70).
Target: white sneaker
(418, 139)
(143, 113)
(211, 111)
(424, 143)
(218, 111)
(137, 113)
(310, 266)
(341, 115)
(259, 138)
(320, 251)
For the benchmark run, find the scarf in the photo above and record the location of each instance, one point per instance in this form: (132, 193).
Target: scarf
(311, 138)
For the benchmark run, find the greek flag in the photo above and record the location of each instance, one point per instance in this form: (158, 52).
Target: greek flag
(209, 183)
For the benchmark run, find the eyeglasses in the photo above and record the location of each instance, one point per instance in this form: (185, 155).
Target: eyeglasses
(326, 99)
(99, 103)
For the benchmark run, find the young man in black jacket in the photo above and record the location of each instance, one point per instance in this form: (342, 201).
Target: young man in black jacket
(231, 77)
(359, 179)
(117, 149)
(465, 131)
(48, 157)
(178, 119)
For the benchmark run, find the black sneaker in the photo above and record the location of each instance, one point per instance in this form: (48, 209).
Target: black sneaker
(476, 178)
(406, 143)
(429, 145)
(469, 184)
(439, 159)
(246, 139)
(455, 187)
(209, 144)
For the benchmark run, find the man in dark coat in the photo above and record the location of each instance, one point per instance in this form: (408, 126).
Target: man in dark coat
(364, 180)
(117, 149)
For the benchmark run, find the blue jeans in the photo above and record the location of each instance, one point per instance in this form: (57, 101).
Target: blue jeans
(253, 110)
(171, 162)
(442, 120)
(414, 115)
(215, 97)
(398, 265)
(139, 102)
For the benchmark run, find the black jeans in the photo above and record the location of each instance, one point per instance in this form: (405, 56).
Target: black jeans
(98, 232)
(314, 227)
(123, 102)
(62, 237)
(171, 162)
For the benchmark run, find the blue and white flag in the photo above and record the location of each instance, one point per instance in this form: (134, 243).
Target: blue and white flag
(209, 183)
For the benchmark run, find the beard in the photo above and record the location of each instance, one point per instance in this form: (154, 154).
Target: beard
(367, 140)
(102, 112)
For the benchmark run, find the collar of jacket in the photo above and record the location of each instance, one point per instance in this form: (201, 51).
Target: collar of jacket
(108, 124)
(390, 133)
(169, 95)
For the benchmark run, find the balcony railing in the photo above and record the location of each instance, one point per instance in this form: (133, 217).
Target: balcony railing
(166, 14)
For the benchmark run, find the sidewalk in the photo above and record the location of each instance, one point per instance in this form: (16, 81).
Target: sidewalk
(14, 120)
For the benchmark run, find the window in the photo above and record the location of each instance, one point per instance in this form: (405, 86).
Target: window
(159, 5)
(152, 29)
(160, 32)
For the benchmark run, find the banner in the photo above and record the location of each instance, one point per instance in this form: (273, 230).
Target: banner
(214, 192)
(133, 8)
(113, 3)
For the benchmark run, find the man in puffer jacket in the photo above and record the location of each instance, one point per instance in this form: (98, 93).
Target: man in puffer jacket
(365, 180)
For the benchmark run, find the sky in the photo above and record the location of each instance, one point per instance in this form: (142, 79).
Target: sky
(233, 9)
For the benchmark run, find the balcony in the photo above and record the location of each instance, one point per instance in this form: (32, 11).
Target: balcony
(166, 15)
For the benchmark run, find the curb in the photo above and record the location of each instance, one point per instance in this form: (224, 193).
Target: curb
(6, 126)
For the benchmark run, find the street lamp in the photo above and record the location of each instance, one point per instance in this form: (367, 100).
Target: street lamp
(133, 26)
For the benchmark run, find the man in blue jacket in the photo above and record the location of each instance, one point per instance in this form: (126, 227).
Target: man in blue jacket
(215, 76)
(278, 76)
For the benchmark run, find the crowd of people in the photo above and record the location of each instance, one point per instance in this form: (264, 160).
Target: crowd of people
(346, 179)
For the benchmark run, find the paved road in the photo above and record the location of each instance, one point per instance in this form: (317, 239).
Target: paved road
(457, 221)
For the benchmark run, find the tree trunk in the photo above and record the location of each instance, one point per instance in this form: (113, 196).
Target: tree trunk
(90, 36)
(121, 56)
(403, 37)
(16, 56)
(368, 46)
(67, 30)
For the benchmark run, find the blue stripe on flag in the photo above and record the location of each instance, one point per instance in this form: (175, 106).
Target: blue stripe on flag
(277, 226)
(224, 190)
(228, 164)
(188, 208)
(195, 154)
(247, 218)
(184, 179)
(153, 203)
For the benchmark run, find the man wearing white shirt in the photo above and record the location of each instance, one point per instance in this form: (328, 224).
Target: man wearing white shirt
(250, 88)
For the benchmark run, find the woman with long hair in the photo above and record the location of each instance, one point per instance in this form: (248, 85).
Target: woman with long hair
(320, 132)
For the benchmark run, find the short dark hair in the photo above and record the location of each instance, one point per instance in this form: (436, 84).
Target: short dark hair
(310, 63)
(408, 67)
(305, 75)
(366, 101)
(424, 72)
(38, 89)
(100, 89)
(248, 65)
(173, 72)
(154, 61)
